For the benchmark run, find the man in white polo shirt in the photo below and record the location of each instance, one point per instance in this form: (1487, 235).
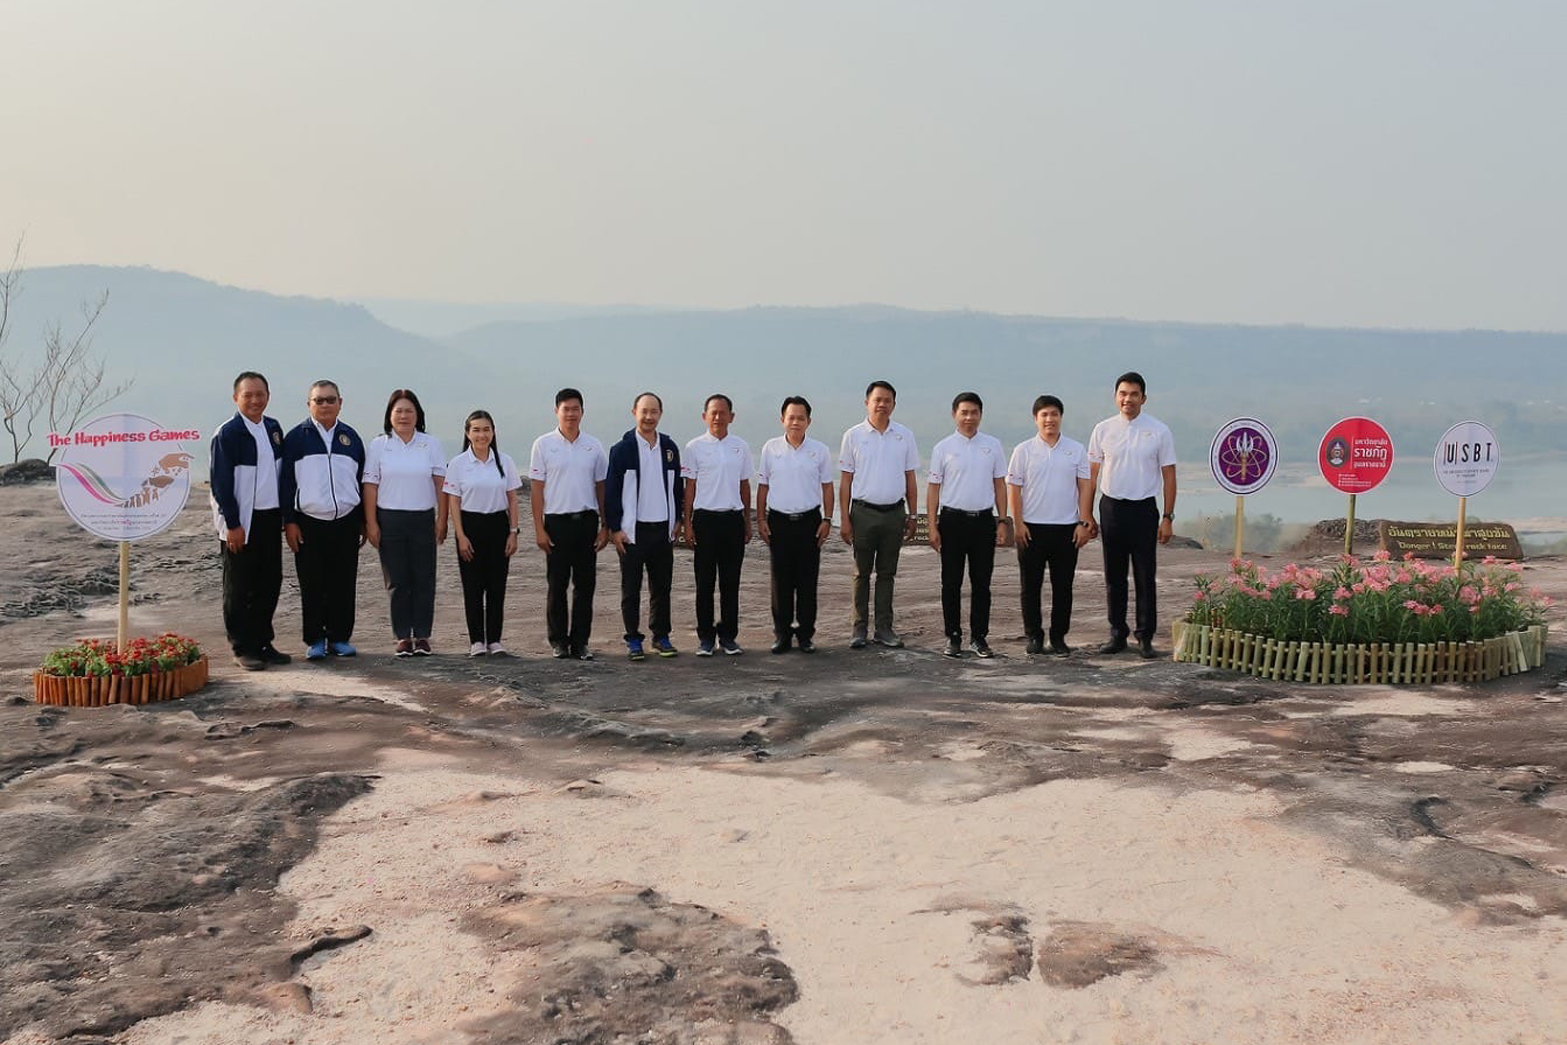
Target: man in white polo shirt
(1132, 460)
(880, 506)
(1052, 502)
(794, 517)
(965, 502)
(566, 471)
(718, 467)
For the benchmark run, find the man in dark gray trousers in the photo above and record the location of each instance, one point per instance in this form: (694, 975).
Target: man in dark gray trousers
(877, 492)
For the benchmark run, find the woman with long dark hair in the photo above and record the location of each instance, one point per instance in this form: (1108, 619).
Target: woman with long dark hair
(405, 516)
(481, 500)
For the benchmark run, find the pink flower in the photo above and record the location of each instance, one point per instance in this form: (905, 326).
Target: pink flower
(1308, 594)
(1359, 587)
(1468, 594)
(1382, 556)
(1409, 556)
(1274, 582)
(1515, 567)
(1404, 577)
(1343, 592)
(1411, 604)
(1201, 596)
(1475, 608)
(1339, 610)
(1512, 586)
(1489, 560)
(1434, 610)
(1265, 596)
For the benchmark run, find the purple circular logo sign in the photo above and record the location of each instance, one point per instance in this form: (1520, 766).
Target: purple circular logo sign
(1244, 455)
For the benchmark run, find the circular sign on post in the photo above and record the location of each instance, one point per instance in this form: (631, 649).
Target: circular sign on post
(123, 477)
(1355, 455)
(1466, 458)
(1244, 455)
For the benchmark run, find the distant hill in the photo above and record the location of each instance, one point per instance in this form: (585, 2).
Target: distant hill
(184, 338)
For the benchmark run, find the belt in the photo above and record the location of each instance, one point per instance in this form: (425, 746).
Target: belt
(716, 511)
(986, 514)
(587, 513)
(795, 516)
(894, 506)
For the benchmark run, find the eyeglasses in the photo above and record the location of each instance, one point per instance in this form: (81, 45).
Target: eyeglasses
(323, 400)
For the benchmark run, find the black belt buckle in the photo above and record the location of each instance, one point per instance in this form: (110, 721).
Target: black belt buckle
(894, 506)
(986, 514)
(793, 516)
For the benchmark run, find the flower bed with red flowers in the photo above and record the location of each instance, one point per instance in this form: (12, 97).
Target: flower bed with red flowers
(95, 672)
(1382, 621)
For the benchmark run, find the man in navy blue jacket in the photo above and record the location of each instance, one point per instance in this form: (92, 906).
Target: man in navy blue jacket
(323, 521)
(644, 495)
(249, 522)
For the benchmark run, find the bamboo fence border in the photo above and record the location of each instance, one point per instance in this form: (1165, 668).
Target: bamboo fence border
(1407, 663)
(94, 691)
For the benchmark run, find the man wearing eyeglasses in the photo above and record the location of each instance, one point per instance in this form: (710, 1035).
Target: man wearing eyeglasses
(323, 521)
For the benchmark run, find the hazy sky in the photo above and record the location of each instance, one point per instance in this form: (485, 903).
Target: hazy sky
(1321, 161)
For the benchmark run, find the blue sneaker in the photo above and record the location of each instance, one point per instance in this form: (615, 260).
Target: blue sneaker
(664, 647)
(317, 650)
(704, 648)
(634, 649)
(342, 649)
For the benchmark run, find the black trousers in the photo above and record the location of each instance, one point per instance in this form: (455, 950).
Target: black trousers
(572, 563)
(1053, 548)
(719, 551)
(408, 565)
(252, 579)
(484, 576)
(327, 564)
(966, 540)
(1129, 531)
(796, 564)
(651, 552)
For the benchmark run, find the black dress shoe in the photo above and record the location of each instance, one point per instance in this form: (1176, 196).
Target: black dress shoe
(954, 647)
(806, 645)
(1035, 646)
(1060, 648)
(272, 655)
(559, 650)
(1145, 649)
(858, 640)
(782, 645)
(1113, 646)
(250, 661)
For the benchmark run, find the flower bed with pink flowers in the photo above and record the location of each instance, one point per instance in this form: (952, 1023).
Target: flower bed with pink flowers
(1382, 621)
(94, 672)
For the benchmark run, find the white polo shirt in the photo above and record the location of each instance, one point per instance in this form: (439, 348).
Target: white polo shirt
(1131, 455)
(480, 486)
(966, 470)
(718, 467)
(1048, 476)
(266, 465)
(877, 461)
(403, 473)
(652, 493)
(794, 475)
(570, 471)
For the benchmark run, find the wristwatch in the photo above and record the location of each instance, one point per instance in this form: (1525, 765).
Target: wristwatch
(516, 529)
(1169, 516)
(1083, 522)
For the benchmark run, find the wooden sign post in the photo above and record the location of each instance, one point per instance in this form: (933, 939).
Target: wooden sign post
(125, 596)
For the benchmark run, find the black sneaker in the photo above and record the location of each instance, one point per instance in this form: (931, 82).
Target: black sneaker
(782, 645)
(1036, 646)
(1059, 648)
(981, 648)
(1145, 649)
(584, 653)
(250, 661)
(806, 645)
(559, 650)
(954, 647)
(1111, 647)
(272, 655)
(858, 641)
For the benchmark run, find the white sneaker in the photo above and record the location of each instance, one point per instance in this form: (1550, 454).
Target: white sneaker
(497, 650)
(478, 649)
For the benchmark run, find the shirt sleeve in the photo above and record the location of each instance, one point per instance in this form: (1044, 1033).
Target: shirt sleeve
(938, 460)
(688, 462)
(536, 470)
(373, 461)
(1166, 448)
(826, 475)
(750, 466)
(1096, 452)
(846, 453)
(764, 474)
(601, 466)
(1083, 471)
(911, 456)
(453, 483)
(1000, 466)
(1017, 468)
(509, 466)
(437, 460)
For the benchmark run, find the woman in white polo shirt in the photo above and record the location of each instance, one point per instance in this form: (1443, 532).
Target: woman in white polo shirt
(405, 517)
(481, 494)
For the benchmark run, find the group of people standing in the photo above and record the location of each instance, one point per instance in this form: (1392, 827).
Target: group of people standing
(324, 492)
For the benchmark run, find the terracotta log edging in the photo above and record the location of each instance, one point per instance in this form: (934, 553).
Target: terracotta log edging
(93, 691)
(1317, 663)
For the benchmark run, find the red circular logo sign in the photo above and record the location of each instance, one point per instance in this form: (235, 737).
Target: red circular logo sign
(1355, 455)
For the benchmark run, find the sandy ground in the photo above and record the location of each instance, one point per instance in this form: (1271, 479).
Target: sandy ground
(856, 847)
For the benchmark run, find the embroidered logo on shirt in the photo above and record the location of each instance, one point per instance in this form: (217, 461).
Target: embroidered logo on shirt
(277, 438)
(342, 439)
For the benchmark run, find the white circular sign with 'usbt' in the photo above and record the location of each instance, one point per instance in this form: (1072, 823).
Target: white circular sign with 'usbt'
(1466, 458)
